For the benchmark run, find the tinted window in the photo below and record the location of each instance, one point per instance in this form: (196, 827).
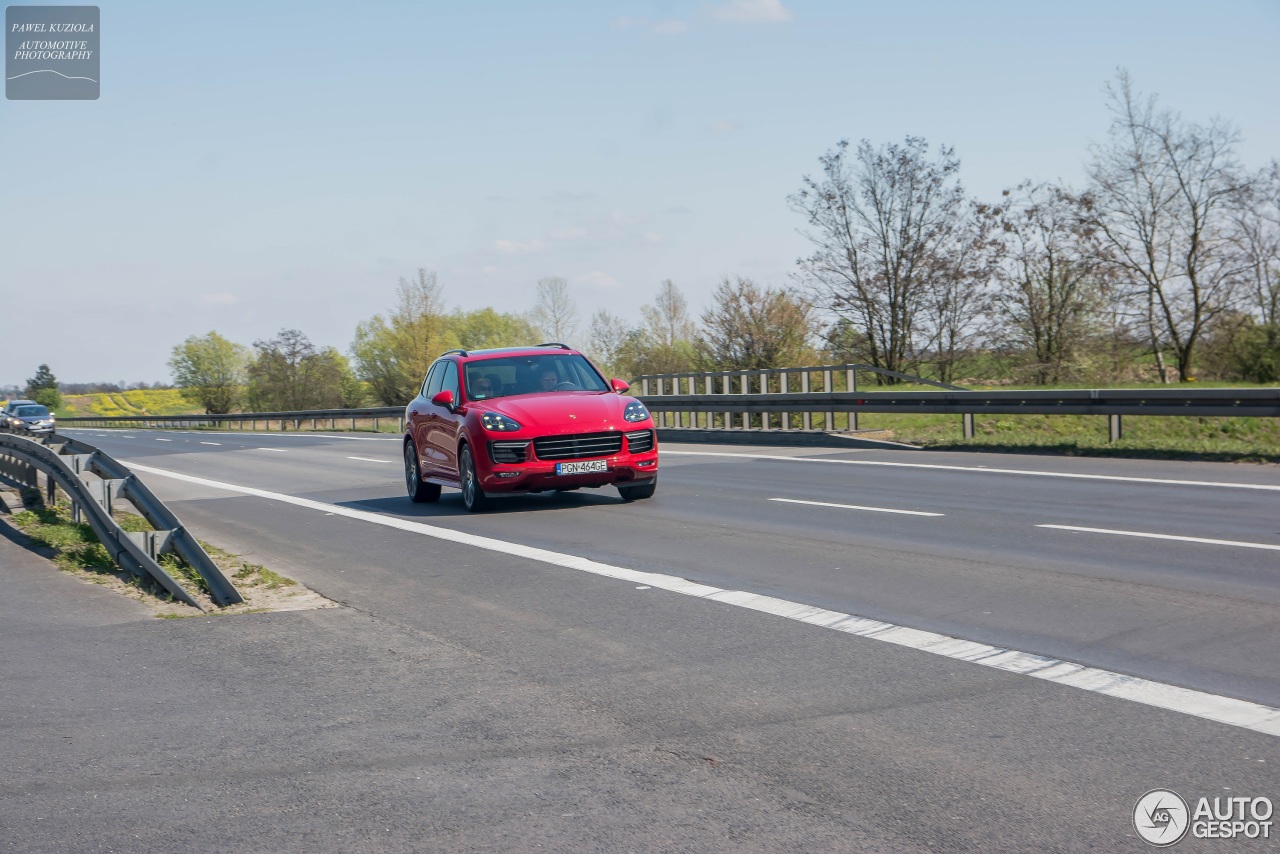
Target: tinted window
(451, 380)
(524, 374)
(434, 378)
(28, 411)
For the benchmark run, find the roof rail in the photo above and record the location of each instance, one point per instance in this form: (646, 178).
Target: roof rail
(459, 352)
(556, 344)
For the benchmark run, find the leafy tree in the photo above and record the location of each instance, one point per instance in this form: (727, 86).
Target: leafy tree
(290, 374)
(210, 371)
(50, 398)
(43, 388)
(485, 327)
(749, 327)
(392, 353)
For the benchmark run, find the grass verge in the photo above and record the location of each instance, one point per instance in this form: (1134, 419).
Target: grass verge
(74, 548)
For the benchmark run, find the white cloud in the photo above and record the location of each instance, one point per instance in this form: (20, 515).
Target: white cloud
(219, 298)
(753, 12)
(624, 218)
(723, 126)
(573, 232)
(652, 237)
(597, 279)
(520, 247)
(673, 27)
(488, 269)
(626, 23)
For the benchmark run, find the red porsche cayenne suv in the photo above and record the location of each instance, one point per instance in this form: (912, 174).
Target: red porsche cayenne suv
(525, 419)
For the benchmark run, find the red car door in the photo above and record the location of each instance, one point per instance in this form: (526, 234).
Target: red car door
(442, 434)
(421, 415)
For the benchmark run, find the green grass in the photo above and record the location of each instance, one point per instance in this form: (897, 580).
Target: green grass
(253, 575)
(75, 545)
(1164, 437)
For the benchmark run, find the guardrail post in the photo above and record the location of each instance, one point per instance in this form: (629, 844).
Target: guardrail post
(851, 385)
(967, 420)
(1116, 427)
(746, 389)
(784, 386)
(826, 387)
(804, 389)
(727, 422)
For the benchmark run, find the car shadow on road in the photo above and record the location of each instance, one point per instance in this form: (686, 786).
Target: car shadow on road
(450, 504)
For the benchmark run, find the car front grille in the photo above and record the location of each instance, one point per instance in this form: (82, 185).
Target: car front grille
(509, 452)
(578, 447)
(640, 442)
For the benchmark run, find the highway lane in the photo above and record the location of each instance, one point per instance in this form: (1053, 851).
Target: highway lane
(476, 700)
(1191, 614)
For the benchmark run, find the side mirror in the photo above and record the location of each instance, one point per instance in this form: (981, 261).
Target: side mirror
(443, 398)
(619, 386)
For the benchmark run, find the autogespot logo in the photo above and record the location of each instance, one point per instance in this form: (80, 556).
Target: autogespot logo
(1160, 817)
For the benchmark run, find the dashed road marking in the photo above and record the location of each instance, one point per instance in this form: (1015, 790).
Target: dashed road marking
(1201, 704)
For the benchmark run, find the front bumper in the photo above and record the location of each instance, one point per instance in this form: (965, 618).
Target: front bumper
(536, 475)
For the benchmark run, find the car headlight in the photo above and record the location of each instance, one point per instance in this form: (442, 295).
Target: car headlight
(498, 422)
(635, 411)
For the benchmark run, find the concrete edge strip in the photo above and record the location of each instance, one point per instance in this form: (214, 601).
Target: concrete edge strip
(1221, 709)
(979, 469)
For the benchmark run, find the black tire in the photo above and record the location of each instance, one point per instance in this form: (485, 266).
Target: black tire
(419, 492)
(473, 497)
(640, 492)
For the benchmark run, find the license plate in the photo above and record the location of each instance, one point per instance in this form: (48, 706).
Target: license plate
(583, 467)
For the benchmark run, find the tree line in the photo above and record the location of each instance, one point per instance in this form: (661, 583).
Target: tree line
(1165, 266)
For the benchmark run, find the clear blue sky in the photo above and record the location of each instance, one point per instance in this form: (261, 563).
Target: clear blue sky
(253, 166)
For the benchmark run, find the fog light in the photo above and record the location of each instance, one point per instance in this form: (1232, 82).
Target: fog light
(644, 464)
(508, 474)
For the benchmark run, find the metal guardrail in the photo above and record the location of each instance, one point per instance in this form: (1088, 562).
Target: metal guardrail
(65, 462)
(758, 400)
(333, 416)
(1113, 403)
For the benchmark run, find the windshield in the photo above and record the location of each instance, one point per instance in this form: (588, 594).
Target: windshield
(505, 376)
(28, 411)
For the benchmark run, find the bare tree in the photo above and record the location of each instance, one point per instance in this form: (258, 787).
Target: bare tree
(1257, 227)
(607, 339)
(749, 327)
(886, 224)
(667, 320)
(1050, 271)
(554, 313)
(1164, 191)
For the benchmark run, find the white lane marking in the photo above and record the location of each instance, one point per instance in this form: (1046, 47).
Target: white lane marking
(219, 444)
(275, 435)
(856, 507)
(982, 469)
(1214, 707)
(128, 437)
(369, 460)
(277, 450)
(158, 439)
(1237, 543)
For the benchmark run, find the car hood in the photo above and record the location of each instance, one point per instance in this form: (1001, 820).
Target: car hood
(563, 411)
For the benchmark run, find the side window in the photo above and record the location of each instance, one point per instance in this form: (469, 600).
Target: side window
(434, 378)
(451, 380)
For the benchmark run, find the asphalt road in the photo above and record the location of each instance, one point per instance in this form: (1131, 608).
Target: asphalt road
(469, 698)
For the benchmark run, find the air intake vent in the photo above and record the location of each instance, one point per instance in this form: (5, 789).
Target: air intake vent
(640, 442)
(508, 452)
(577, 447)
